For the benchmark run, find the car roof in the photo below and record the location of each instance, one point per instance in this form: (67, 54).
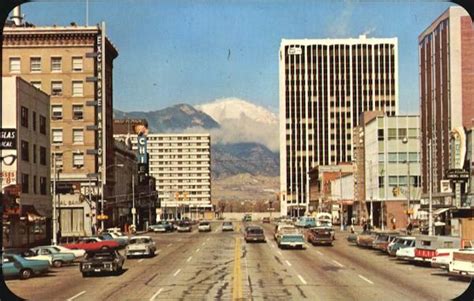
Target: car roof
(140, 237)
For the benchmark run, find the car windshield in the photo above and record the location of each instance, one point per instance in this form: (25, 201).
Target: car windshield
(255, 231)
(227, 224)
(139, 241)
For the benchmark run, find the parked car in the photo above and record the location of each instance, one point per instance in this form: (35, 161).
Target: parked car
(365, 239)
(266, 220)
(291, 239)
(227, 226)
(352, 237)
(29, 254)
(400, 243)
(140, 246)
(320, 235)
(383, 239)
(78, 253)
(108, 236)
(204, 226)
(254, 233)
(102, 261)
(306, 222)
(184, 226)
(92, 244)
(462, 264)
(443, 257)
(407, 254)
(426, 246)
(59, 258)
(14, 265)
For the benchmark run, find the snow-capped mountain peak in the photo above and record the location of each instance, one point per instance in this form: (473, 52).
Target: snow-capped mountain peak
(236, 108)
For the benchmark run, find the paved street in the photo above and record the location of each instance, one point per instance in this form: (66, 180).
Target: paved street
(217, 265)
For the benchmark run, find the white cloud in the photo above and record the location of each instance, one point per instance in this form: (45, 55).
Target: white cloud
(339, 27)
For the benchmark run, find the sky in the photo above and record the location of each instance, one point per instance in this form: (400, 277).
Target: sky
(197, 51)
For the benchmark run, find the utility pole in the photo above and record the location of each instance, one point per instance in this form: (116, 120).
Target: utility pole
(55, 230)
(341, 218)
(134, 210)
(430, 203)
(371, 216)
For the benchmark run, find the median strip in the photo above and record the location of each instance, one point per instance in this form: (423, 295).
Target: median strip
(237, 275)
(77, 295)
(362, 277)
(156, 294)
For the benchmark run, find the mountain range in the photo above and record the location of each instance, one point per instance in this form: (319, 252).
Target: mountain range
(244, 136)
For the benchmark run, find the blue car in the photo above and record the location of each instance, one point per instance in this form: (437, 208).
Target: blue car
(16, 266)
(58, 258)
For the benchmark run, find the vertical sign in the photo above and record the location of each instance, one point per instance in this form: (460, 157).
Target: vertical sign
(100, 94)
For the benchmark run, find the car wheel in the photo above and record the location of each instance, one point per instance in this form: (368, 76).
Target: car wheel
(25, 274)
(57, 263)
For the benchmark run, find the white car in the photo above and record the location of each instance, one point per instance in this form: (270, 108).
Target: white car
(78, 253)
(227, 226)
(140, 246)
(31, 255)
(119, 235)
(204, 226)
(407, 254)
(445, 256)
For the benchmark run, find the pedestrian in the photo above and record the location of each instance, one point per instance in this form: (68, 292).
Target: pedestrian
(58, 236)
(409, 228)
(365, 227)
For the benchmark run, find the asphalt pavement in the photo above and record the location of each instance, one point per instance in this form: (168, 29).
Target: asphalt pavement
(222, 266)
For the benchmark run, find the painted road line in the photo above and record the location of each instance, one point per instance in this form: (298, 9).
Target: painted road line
(189, 259)
(337, 263)
(77, 295)
(176, 273)
(207, 239)
(302, 279)
(319, 253)
(156, 294)
(237, 275)
(180, 239)
(169, 245)
(197, 250)
(204, 243)
(216, 230)
(140, 260)
(288, 263)
(279, 252)
(272, 245)
(362, 277)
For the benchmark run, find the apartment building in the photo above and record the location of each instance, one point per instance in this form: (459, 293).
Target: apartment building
(181, 165)
(446, 64)
(26, 182)
(74, 65)
(325, 84)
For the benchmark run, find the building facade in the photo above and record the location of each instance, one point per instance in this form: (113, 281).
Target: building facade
(25, 183)
(392, 169)
(181, 165)
(446, 64)
(325, 84)
(74, 65)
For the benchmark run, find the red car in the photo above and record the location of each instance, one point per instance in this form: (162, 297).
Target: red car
(93, 243)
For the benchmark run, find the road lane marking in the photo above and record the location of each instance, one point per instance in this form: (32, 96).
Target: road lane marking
(302, 279)
(319, 253)
(197, 250)
(156, 294)
(180, 239)
(169, 245)
(337, 263)
(176, 273)
(237, 275)
(271, 245)
(362, 277)
(189, 259)
(140, 260)
(279, 252)
(216, 230)
(288, 263)
(207, 239)
(204, 243)
(77, 295)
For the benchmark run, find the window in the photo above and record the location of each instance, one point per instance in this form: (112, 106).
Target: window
(77, 88)
(381, 182)
(42, 124)
(56, 88)
(78, 160)
(25, 183)
(59, 161)
(392, 157)
(392, 134)
(34, 184)
(34, 153)
(392, 181)
(57, 136)
(402, 133)
(412, 133)
(402, 157)
(77, 112)
(413, 157)
(380, 135)
(78, 136)
(15, 65)
(381, 157)
(43, 185)
(36, 84)
(35, 64)
(56, 112)
(42, 155)
(402, 181)
(77, 64)
(56, 64)
(24, 117)
(34, 121)
(25, 151)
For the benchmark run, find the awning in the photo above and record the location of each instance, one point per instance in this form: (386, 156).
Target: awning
(440, 210)
(31, 213)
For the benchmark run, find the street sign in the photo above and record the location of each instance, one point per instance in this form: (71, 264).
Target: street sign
(457, 174)
(101, 217)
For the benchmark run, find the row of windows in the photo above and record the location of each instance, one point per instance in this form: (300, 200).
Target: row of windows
(192, 150)
(179, 157)
(178, 138)
(401, 157)
(77, 160)
(57, 87)
(394, 181)
(179, 168)
(180, 144)
(25, 184)
(57, 112)
(184, 181)
(177, 175)
(25, 152)
(77, 136)
(25, 120)
(55, 66)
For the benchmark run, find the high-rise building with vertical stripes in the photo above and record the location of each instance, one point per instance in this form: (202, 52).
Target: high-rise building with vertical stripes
(325, 84)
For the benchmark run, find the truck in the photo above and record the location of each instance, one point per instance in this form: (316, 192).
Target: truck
(426, 246)
(462, 263)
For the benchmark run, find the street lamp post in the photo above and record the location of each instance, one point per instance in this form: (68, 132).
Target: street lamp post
(102, 196)
(430, 204)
